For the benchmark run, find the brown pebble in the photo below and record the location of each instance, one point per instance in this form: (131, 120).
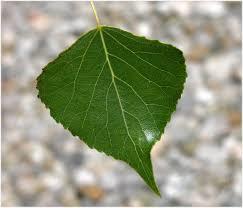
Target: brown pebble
(92, 192)
(198, 53)
(235, 118)
(39, 21)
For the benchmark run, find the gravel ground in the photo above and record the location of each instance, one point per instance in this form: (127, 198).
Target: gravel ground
(198, 161)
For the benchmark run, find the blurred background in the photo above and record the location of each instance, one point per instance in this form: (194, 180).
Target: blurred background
(198, 160)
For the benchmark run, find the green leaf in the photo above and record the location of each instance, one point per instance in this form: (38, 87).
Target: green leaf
(115, 91)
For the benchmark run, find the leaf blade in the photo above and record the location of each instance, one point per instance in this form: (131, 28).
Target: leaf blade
(122, 94)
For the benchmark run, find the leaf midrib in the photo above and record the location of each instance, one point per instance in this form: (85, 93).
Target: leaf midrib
(119, 100)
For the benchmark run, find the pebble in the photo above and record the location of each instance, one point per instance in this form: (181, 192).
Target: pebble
(52, 182)
(182, 8)
(211, 9)
(84, 177)
(221, 66)
(214, 127)
(94, 192)
(110, 181)
(144, 29)
(38, 21)
(204, 96)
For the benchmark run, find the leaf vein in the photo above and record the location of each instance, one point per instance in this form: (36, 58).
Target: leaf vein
(167, 72)
(75, 79)
(92, 96)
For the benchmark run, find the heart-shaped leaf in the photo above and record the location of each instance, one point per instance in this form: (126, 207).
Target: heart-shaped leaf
(115, 91)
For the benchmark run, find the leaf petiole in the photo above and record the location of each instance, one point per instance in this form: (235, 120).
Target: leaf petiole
(95, 13)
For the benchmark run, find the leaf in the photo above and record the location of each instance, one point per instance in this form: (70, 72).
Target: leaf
(116, 91)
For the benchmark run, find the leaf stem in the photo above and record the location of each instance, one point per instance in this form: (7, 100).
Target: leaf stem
(95, 13)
